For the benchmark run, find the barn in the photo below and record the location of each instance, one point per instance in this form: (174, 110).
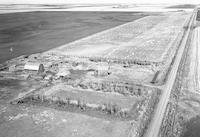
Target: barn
(34, 67)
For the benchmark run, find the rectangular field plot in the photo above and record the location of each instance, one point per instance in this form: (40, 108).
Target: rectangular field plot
(129, 112)
(116, 104)
(92, 97)
(146, 39)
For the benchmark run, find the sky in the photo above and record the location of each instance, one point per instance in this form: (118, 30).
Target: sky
(97, 1)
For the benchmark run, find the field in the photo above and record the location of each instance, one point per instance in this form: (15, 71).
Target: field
(79, 100)
(41, 31)
(132, 41)
(91, 97)
(103, 84)
(115, 103)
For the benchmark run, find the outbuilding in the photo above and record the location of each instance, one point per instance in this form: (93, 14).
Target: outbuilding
(102, 71)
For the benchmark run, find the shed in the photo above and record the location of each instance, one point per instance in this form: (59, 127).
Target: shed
(102, 71)
(34, 67)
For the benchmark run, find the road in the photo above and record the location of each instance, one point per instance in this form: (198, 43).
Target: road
(197, 68)
(156, 121)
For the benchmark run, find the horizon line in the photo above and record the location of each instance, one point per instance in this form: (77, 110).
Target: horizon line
(95, 3)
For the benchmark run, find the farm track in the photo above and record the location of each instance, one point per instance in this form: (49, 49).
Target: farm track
(157, 119)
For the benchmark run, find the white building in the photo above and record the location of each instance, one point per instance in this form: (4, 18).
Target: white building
(34, 67)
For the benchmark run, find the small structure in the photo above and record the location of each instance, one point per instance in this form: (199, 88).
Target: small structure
(155, 78)
(102, 71)
(34, 67)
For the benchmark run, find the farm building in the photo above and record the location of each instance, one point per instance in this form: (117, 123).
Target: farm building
(34, 67)
(102, 70)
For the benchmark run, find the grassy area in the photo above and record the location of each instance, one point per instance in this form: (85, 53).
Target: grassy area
(34, 32)
(10, 88)
(35, 121)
